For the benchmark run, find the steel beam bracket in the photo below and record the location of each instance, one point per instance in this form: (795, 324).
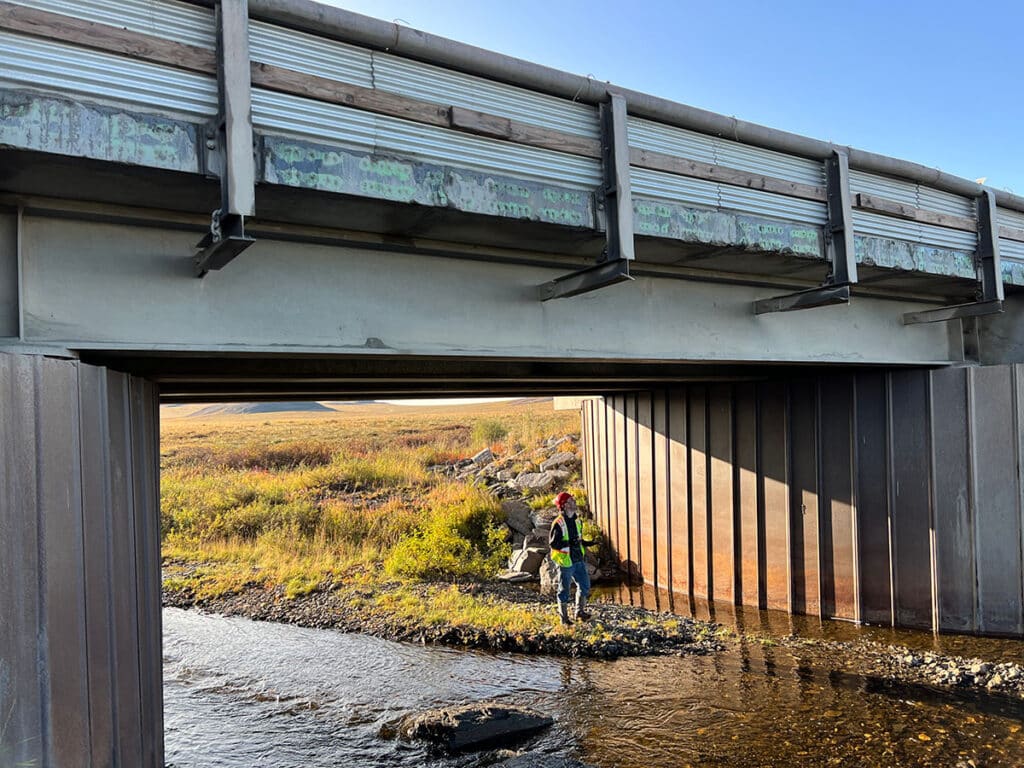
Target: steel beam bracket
(229, 142)
(839, 248)
(990, 293)
(617, 196)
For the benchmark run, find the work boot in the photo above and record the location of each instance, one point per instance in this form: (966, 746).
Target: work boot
(563, 614)
(582, 614)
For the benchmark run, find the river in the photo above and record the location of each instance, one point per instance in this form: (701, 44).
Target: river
(240, 694)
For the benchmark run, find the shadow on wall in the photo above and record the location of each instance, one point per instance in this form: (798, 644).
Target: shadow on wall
(883, 497)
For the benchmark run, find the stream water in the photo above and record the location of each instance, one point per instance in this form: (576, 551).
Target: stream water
(242, 694)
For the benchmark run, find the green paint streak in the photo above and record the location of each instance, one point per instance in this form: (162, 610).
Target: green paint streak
(59, 126)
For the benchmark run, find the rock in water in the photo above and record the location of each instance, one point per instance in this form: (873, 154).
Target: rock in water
(473, 726)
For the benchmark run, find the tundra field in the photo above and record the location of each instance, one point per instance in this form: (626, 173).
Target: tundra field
(334, 518)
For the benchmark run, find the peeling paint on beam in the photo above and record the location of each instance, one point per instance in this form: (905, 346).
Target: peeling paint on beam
(41, 123)
(295, 163)
(662, 218)
(914, 257)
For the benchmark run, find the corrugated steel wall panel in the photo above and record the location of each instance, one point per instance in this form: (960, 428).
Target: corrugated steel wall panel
(883, 186)
(444, 86)
(302, 52)
(852, 478)
(670, 187)
(865, 223)
(66, 489)
(293, 115)
(26, 61)
(944, 202)
(942, 237)
(1011, 249)
(766, 162)
(281, 113)
(772, 205)
(162, 18)
(1010, 218)
(658, 137)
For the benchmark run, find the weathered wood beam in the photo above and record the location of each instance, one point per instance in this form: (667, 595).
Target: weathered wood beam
(506, 129)
(1011, 233)
(274, 78)
(679, 166)
(103, 37)
(885, 207)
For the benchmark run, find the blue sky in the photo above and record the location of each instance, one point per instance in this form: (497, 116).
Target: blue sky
(939, 83)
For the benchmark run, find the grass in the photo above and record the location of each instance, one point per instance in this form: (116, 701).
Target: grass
(310, 501)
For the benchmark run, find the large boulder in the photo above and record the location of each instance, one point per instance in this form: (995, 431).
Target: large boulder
(537, 538)
(550, 576)
(473, 726)
(527, 560)
(542, 518)
(560, 459)
(486, 456)
(535, 482)
(517, 515)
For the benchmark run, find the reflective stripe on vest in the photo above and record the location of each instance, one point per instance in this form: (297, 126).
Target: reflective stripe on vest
(563, 556)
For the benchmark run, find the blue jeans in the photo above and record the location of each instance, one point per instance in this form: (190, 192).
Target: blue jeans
(576, 572)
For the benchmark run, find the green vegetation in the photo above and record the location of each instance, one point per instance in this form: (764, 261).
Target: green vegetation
(313, 501)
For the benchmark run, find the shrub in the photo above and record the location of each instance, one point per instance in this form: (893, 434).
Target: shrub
(460, 535)
(489, 431)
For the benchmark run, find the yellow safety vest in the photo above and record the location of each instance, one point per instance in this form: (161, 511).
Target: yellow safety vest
(563, 556)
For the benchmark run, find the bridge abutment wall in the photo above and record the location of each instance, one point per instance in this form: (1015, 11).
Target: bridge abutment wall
(881, 497)
(80, 635)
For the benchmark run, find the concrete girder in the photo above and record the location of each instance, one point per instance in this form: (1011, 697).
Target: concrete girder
(300, 297)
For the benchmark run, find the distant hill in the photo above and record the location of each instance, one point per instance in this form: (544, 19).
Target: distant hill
(232, 409)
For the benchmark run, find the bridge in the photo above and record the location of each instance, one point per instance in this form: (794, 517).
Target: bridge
(804, 358)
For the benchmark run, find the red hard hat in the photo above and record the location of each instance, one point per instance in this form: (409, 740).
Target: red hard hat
(561, 498)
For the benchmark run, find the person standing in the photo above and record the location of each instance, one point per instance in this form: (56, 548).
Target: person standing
(568, 550)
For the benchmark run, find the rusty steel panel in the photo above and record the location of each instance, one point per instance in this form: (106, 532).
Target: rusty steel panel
(804, 497)
(63, 567)
(839, 568)
(632, 491)
(997, 520)
(679, 492)
(125, 605)
(586, 439)
(96, 530)
(22, 739)
(646, 529)
(662, 513)
(700, 496)
(600, 478)
(773, 447)
(748, 528)
(910, 495)
(954, 526)
(608, 451)
(722, 513)
(872, 493)
(622, 484)
(145, 451)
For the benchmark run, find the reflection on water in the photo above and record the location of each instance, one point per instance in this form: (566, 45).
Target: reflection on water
(240, 693)
(777, 623)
